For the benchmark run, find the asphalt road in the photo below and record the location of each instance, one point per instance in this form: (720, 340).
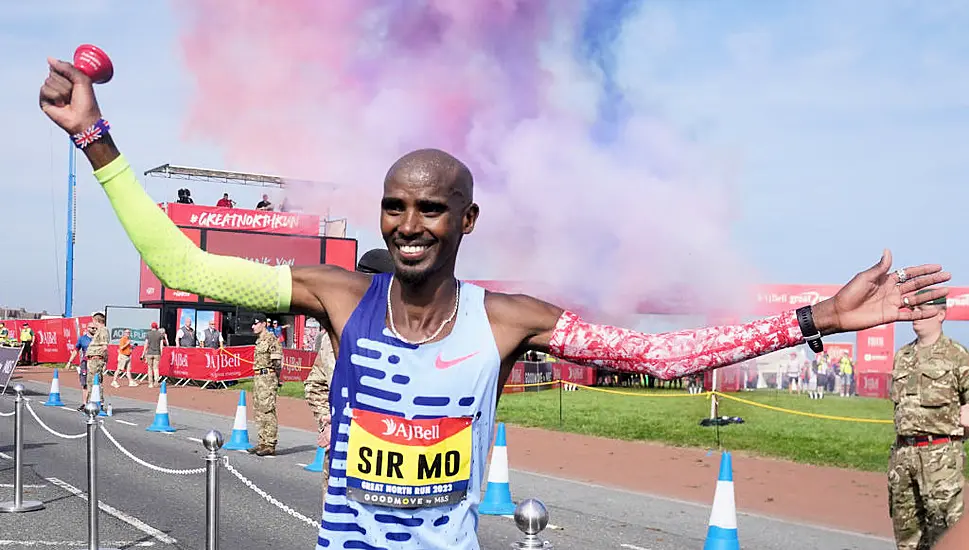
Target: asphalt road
(144, 508)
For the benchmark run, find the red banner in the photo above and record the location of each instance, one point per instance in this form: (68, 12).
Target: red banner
(837, 350)
(341, 252)
(873, 384)
(231, 363)
(296, 365)
(876, 349)
(957, 303)
(265, 249)
(238, 219)
(569, 372)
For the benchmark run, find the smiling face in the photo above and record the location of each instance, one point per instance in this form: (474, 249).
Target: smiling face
(426, 209)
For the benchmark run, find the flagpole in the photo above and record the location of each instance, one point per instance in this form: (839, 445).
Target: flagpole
(71, 219)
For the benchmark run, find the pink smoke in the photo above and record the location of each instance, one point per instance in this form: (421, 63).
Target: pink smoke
(337, 90)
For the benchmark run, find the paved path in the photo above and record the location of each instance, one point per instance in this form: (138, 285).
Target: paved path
(156, 509)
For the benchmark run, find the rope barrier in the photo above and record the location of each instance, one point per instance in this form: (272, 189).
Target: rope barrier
(111, 438)
(48, 428)
(802, 413)
(708, 394)
(267, 496)
(635, 394)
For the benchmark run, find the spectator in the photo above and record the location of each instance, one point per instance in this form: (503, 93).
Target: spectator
(185, 337)
(27, 341)
(225, 201)
(264, 204)
(125, 348)
(212, 338)
(185, 197)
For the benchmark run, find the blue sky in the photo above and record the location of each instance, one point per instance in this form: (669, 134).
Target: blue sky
(846, 123)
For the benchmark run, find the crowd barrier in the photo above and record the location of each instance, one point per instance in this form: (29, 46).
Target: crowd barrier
(215, 365)
(531, 516)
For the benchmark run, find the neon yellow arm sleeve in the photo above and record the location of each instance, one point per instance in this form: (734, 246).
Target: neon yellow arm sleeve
(178, 263)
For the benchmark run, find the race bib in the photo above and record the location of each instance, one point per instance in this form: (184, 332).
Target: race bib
(402, 463)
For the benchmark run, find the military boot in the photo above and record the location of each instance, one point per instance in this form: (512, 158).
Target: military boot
(265, 450)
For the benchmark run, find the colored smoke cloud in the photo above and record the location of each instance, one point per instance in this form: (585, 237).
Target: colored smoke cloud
(581, 186)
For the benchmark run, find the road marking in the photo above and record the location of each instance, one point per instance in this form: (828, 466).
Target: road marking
(632, 547)
(11, 486)
(195, 439)
(301, 465)
(70, 409)
(130, 520)
(125, 422)
(5, 455)
(78, 543)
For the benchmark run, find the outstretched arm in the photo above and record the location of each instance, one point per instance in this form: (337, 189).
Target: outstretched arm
(67, 97)
(666, 355)
(873, 297)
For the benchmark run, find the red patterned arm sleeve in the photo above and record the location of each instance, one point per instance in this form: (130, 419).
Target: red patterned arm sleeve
(671, 354)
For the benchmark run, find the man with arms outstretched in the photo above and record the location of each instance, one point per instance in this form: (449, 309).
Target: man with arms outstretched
(421, 356)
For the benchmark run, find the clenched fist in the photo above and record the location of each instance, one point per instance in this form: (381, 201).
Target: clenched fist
(67, 97)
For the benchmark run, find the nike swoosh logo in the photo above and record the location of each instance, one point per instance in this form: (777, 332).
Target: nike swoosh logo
(441, 364)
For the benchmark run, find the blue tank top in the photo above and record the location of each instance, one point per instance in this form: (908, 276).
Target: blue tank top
(411, 430)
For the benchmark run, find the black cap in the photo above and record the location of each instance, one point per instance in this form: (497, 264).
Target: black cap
(260, 318)
(376, 261)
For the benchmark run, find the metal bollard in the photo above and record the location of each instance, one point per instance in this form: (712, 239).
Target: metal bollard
(18, 504)
(92, 409)
(213, 442)
(531, 517)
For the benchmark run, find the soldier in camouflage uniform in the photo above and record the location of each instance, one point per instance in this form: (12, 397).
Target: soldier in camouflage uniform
(317, 385)
(267, 364)
(930, 383)
(97, 352)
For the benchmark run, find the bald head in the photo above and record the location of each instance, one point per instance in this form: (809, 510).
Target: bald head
(433, 167)
(426, 209)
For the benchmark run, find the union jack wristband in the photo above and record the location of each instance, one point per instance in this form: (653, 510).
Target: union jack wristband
(92, 134)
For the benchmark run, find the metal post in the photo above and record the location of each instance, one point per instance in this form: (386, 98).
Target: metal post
(71, 219)
(713, 397)
(18, 504)
(92, 477)
(213, 442)
(561, 420)
(531, 517)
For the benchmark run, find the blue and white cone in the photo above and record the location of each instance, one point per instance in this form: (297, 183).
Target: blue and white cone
(54, 398)
(239, 440)
(317, 464)
(162, 422)
(497, 500)
(722, 532)
(95, 396)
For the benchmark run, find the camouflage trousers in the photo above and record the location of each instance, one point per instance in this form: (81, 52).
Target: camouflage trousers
(265, 387)
(96, 366)
(924, 492)
(317, 395)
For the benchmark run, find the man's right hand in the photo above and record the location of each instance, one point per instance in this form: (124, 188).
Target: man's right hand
(67, 97)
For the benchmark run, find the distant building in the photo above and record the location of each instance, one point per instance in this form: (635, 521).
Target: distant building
(9, 313)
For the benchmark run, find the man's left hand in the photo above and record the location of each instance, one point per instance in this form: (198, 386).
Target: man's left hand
(876, 297)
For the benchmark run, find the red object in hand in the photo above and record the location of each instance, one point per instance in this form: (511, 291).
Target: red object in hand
(92, 61)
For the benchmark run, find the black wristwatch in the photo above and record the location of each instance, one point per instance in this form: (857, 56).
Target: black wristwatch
(805, 319)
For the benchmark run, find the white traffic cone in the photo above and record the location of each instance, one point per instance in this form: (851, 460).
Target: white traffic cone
(162, 422)
(54, 398)
(239, 441)
(722, 532)
(497, 500)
